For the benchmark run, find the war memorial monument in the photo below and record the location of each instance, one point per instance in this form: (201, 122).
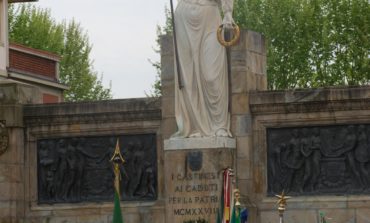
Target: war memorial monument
(215, 115)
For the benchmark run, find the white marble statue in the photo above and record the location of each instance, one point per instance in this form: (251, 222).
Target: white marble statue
(201, 106)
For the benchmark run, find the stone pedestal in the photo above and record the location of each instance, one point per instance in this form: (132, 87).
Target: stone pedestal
(12, 161)
(193, 176)
(248, 74)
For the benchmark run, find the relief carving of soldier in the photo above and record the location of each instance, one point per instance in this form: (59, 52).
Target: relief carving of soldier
(315, 157)
(276, 167)
(76, 159)
(293, 160)
(46, 170)
(362, 155)
(348, 149)
(311, 151)
(135, 169)
(61, 170)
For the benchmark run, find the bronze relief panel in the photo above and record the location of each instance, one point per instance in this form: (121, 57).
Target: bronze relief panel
(78, 169)
(319, 160)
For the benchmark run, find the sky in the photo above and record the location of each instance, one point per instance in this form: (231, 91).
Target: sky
(123, 34)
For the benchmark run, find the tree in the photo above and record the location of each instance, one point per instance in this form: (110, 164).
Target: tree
(161, 30)
(77, 69)
(34, 27)
(310, 43)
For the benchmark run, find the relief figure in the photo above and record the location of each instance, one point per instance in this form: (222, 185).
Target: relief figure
(78, 169)
(319, 160)
(293, 161)
(311, 151)
(362, 155)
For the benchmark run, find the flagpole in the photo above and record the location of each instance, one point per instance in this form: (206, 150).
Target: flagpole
(282, 202)
(117, 161)
(177, 60)
(236, 209)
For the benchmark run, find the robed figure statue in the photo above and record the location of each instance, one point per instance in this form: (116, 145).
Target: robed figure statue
(201, 105)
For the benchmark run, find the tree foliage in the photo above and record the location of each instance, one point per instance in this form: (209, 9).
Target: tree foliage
(166, 29)
(310, 43)
(35, 27)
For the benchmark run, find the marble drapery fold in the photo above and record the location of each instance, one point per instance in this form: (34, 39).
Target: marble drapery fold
(201, 107)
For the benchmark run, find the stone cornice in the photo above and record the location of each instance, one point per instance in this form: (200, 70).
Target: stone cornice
(15, 1)
(141, 109)
(310, 100)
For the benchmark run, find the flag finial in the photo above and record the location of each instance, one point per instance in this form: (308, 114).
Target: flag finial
(117, 156)
(237, 197)
(282, 202)
(117, 160)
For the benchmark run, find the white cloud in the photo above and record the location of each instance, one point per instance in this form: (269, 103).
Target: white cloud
(123, 34)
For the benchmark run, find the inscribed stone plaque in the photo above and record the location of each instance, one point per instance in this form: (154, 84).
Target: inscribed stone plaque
(194, 183)
(319, 160)
(78, 169)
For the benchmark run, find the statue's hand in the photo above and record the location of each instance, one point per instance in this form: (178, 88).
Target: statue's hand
(228, 20)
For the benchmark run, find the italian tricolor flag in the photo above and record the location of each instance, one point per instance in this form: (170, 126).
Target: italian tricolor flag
(224, 213)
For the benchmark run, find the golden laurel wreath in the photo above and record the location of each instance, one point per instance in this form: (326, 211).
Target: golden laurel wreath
(233, 41)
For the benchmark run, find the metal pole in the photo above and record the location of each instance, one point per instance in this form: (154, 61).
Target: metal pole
(282, 202)
(227, 36)
(178, 67)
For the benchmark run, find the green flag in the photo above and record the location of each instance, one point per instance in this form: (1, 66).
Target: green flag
(219, 220)
(323, 218)
(117, 214)
(235, 217)
(220, 213)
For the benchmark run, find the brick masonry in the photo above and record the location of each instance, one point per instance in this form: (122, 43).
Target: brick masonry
(32, 64)
(49, 98)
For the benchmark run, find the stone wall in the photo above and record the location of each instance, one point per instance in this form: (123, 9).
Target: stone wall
(28, 124)
(248, 73)
(105, 118)
(254, 111)
(12, 173)
(347, 106)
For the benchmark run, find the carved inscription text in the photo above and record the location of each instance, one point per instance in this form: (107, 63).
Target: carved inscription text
(195, 194)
